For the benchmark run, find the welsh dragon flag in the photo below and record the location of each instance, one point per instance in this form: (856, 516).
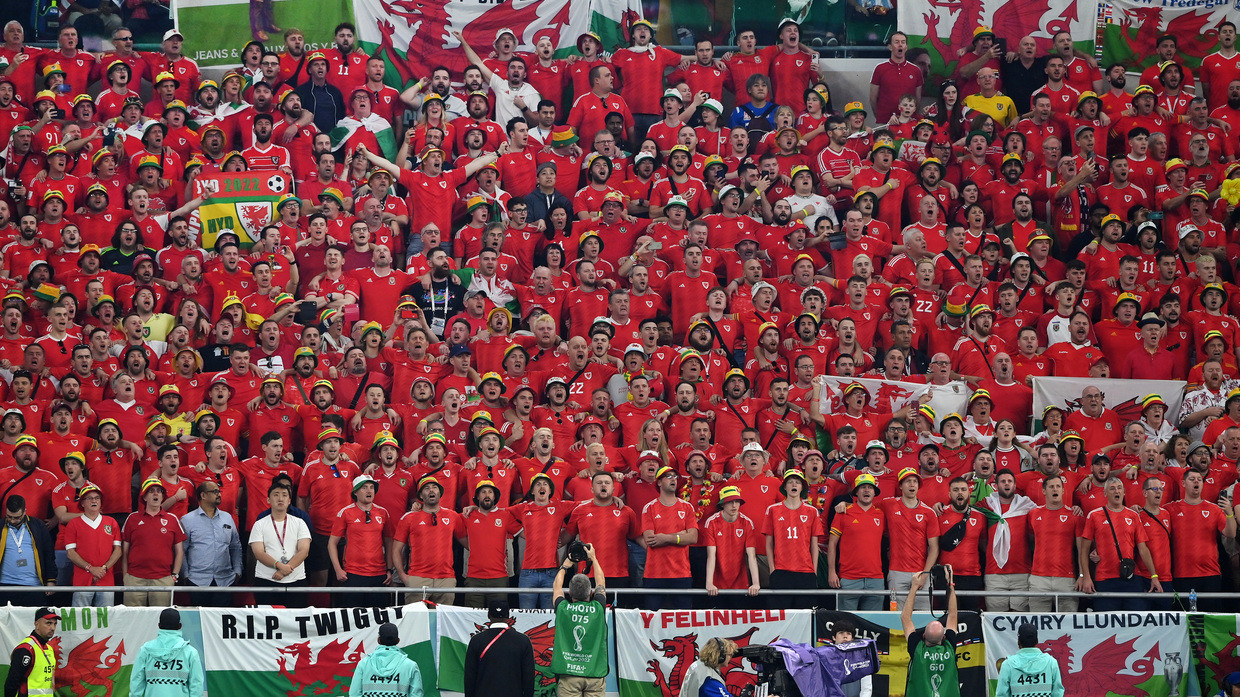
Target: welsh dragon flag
(291, 653)
(457, 625)
(1216, 651)
(95, 647)
(241, 202)
(423, 29)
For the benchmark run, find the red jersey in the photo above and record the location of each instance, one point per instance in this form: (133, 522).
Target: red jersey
(608, 528)
(152, 540)
(793, 531)
(861, 535)
(429, 536)
(1054, 535)
(668, 561)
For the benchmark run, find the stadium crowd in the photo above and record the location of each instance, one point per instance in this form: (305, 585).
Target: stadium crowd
(550, 299)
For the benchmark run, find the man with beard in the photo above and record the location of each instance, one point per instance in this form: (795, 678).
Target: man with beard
(439, 84)
(998, 195)
(265, 154)
(368, 530)
(439, 294)
(487, 530)
(26, 479)
(609, 534)
(324, 489)
(975, 353)
(1008, 555)
(679, 183)
(428, 531)
(1195, 559)
(962, 533)
(1054, 528)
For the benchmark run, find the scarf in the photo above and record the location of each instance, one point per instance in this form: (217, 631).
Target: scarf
(647, 49)
(1002, 544)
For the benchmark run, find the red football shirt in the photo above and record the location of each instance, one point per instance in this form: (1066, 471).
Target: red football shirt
(730, 541)
(793, 531)
(1128, 531)
(668, 561)
(488, 534)
(151, 541)
(608, 528)
(364, 533)
(1054, 541)
(911, 528)
(429, 538)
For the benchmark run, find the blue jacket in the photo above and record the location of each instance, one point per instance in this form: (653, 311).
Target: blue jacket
(167, 666)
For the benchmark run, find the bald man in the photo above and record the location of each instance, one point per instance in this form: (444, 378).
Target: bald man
(931, 650)
(990, 101)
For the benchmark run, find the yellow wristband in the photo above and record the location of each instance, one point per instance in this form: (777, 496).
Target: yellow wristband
(678, 538)
(1153, 577)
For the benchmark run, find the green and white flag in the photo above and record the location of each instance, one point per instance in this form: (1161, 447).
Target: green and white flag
(655, 650)
(1219, 637)
(457, 625)
(377, 125)
(291, 653)
(95, 646)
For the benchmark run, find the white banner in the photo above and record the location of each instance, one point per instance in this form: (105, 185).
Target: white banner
(656, 649)
(892, 396)
(1121, 396)
(95, 646)
(1121, 654)
(302, 652)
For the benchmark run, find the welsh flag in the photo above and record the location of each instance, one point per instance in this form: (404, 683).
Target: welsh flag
(457, 625)
(240, 202)
(1216, 649)
(95, 647)
(423, 29)
(291, 653)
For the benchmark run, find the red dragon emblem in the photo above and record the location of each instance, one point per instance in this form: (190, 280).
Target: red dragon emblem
(330, 669)
(1223, 663)
(1011, 19)
(89, 669)
(1096, 676)
(1198, 39)
(683, 650)
(431, 23)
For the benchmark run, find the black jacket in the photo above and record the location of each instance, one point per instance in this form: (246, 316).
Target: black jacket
(499, 663)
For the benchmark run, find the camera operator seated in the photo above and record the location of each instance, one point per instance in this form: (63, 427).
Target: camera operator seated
(705, 676)
(579, 651)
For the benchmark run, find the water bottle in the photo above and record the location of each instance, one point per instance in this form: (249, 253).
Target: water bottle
(1192, 600)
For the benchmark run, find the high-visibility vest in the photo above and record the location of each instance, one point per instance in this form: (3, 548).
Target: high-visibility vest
(41, 680)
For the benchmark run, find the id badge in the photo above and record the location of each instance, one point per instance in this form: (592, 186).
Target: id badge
(21, 563)
(438, 324)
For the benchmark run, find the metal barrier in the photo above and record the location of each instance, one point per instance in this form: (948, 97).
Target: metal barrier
(426, 591)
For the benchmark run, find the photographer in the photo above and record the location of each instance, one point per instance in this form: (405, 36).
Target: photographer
(579, 653)
(931, 650)
(705, 676)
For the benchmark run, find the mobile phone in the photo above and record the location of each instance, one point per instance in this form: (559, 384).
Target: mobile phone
(1002, 44)
(1156, 215)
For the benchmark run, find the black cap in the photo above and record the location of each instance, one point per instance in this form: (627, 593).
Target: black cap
(388, 634)
(45, 613)
(1027, 634)
(170, 618)
(929, 446)
(497, 610)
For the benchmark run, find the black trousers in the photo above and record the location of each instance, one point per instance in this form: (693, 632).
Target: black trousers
(365, 599)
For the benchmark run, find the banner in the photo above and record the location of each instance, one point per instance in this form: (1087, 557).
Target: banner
(243, 202)
(944, 28)
(888, 635)
(456, 625)
(656, 649)
(889, 396)
(1216, 649)
(415, 36)
(296, 653)
(1124, 654)
(1132, 28)
(95, 647)
(216, 30)
(1121, 396)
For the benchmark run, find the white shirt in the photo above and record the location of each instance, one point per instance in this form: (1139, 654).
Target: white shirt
(505, 110)
(265, 531)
